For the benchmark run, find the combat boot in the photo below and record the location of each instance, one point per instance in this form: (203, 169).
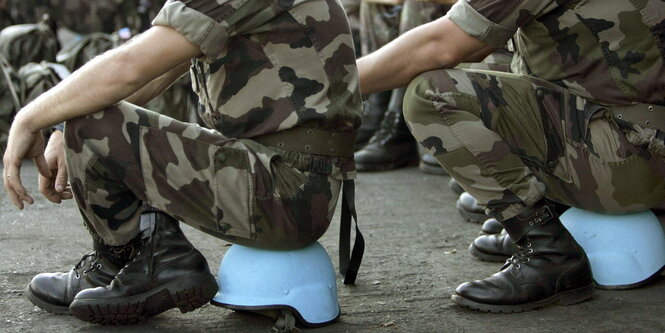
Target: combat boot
(429, 164)
(491, 226)
(455, 186)
(167, 272)
(54, 292)
(392, 146)
(549, 267)
(493, 247)
(374, 109)
(468, 207)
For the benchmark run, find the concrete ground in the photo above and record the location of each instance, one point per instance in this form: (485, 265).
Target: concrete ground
(416, 255)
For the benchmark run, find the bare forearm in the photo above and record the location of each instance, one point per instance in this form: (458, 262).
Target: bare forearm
(102, 82)
(438, 44)
(110, 78)
(158, 85)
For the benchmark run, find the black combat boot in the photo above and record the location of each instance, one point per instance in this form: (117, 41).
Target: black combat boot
(54, 292)
(549, 267)
(493, 247)
(468, 207)
(455, 186)
(392, 146)
(491, 226)
(168, 272)
(374, 108)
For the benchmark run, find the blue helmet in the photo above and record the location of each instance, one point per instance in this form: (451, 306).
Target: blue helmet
(302, 281)
(625, 251)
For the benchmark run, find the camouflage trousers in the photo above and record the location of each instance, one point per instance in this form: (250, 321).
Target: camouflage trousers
(512, 139)
(235, 189)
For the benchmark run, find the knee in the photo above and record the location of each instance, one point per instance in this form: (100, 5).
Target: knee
(423, 95)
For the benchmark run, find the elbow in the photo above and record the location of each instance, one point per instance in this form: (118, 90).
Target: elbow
(125, 69)
(446, 56)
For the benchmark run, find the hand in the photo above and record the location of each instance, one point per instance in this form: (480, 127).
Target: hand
(55, 189)
(23, 142)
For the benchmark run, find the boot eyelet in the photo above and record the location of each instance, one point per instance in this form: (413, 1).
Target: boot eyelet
(78, 276)
(99, 266)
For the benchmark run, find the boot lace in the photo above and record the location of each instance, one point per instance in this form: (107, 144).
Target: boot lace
(522, 256)
(387, 129)
(87, 264)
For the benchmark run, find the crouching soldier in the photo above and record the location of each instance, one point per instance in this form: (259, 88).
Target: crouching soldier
(279, 88)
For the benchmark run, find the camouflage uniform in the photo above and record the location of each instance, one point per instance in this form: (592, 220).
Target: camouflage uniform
(548, 129)
(264, 69)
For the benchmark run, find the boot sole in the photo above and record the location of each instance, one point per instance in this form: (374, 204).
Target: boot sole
(46, 306)
(564, 298)
(186, 293)
(471, 216)
(487, 256)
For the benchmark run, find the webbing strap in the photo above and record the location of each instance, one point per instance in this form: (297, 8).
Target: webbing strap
(10, 85)
(349, 264)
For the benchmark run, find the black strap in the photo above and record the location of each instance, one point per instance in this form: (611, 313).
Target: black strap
(10, 85)
(349, 265)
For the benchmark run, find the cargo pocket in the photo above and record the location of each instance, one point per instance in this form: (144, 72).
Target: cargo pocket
(202, 184)
(234, 191)
(560, 128)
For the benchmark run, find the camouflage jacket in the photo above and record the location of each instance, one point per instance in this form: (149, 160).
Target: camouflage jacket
(270, 65)
(608, 51)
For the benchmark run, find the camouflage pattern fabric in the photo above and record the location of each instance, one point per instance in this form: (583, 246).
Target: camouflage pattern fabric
(264, 69)
(37, 78)
(24, 43)
(352, 9)
(610, 52)
(76, 54)
(9, 99)
(267, 54)
(511, 139)
(234, 189)
(177, 102)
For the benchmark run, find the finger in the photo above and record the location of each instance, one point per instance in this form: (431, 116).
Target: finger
(46, 188)
(42, 166)
(61, 178)
(10, 191)
(15, 189)
(65, 195)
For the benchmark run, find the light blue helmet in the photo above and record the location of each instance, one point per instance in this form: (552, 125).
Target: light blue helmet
(302, 281)
(625, 251)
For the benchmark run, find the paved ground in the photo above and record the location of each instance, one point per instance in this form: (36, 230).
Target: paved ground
(416, 256)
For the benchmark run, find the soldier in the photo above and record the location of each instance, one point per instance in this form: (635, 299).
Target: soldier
(279, 86)
(580, 122)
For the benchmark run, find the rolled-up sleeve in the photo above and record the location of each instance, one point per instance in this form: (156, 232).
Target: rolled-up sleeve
(478, 26)
(495, 21)
(206, 23)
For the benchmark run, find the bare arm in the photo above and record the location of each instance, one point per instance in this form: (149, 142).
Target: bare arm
(100, 83)
(438, 44)
(158, 85)
(109, 78)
